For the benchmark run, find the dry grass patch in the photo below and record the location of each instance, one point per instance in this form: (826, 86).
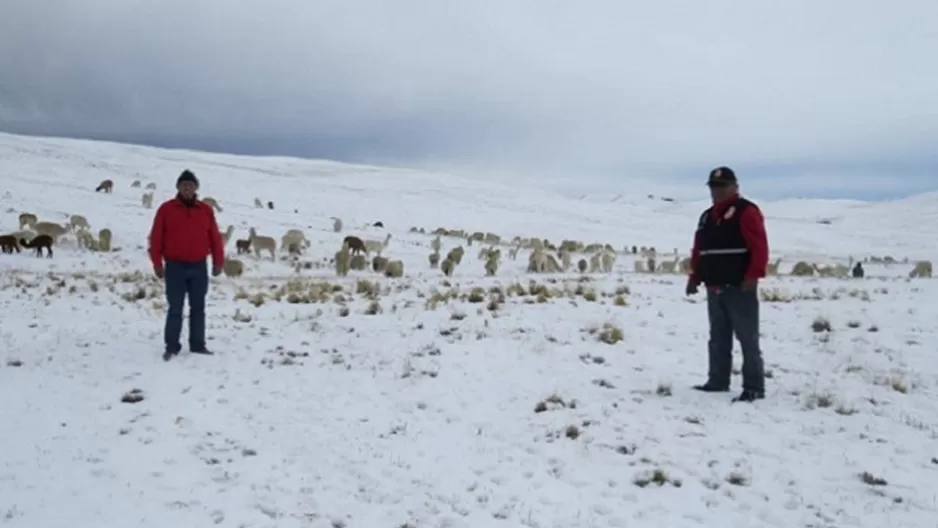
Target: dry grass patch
(554, 402)
(476, 295)
(872, 480)
(608, 333)
(132, 396)
(821, 324)
(657, 477)
(820, 400)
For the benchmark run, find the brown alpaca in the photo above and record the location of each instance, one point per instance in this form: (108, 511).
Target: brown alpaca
(9, 243)
(106, 186)
(355, 244)
(41, 241)
(244, 246)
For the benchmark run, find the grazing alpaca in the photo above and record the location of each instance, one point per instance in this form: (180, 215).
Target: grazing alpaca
(106, 186)
(50, 228)
(233, 268)
(41, 241)
(355, 244)
(27, 219)
(9, 244)
(244, 246)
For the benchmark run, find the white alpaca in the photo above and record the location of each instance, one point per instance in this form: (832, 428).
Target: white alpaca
(377, 246)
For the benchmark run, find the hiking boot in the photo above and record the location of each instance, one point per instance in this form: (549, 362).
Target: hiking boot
(170, 354)
(749, 396)
(202, 351)
(711, 387)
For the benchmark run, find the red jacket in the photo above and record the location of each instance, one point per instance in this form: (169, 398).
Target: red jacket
(186, 233)
(752, 225)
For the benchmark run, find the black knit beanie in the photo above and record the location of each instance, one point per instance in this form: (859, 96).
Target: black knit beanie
(187, 176)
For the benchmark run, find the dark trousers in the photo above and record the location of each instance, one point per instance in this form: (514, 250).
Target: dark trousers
(734, 311)
(185, 279)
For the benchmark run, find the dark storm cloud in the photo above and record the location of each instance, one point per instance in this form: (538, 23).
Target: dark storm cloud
(591, 87)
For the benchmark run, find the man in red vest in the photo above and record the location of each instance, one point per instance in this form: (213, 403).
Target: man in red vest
(184, 234)
(730, 255)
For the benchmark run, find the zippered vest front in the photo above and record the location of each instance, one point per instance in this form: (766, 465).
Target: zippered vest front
(724, 257)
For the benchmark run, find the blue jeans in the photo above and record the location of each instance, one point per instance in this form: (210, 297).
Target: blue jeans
(734, 311)
(182, 279)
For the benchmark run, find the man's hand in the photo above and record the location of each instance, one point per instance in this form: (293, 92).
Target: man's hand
(692, 286)
(749, 285)
(216, 271)
(158, 271)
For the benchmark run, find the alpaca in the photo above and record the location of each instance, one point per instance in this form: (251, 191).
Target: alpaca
(355, 244)
(27, 220)
(38, 243)
(9, 244)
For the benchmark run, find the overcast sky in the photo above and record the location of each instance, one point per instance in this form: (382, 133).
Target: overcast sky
(834, 97)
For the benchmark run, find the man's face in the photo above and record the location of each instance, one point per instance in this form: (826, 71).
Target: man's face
(187, 190)
(720, 192)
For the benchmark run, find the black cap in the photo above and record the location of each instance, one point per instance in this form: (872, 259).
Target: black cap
(721, 176)
(187, 176)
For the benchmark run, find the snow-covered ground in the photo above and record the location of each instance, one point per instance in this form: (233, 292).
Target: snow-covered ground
(420, 402)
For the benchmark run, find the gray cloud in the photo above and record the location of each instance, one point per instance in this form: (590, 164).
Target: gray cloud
(542, 86)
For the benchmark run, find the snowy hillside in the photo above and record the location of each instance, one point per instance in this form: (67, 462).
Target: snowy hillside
(520, 400)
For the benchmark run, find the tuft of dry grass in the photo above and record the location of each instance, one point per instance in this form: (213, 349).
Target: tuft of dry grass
(820, 400)
(374, 308)
(476, 295)
(872, 480)
(610, 334)
(132, 396)
(553, 402)
(657, 477)
(821, 324)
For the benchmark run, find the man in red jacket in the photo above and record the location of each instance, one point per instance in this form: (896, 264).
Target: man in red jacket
(730, 254)
(184, 234)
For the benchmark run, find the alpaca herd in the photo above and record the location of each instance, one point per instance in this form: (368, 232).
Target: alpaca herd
(361, 254)
(43, 235)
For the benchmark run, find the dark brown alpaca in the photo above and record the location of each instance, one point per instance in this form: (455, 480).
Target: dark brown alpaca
(355, 244)
(106, 186)
(41, 241)
(243, 245)
(9, 243)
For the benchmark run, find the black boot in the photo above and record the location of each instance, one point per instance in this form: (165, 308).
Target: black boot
(749, 396)
(202, 351)
(170, 354)
(711, 387)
